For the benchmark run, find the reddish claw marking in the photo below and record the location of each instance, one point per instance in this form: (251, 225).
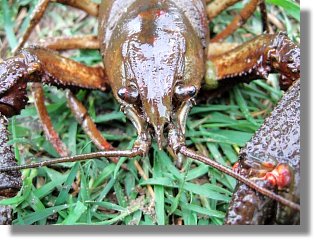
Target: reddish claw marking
(280, 176)
(268, 165)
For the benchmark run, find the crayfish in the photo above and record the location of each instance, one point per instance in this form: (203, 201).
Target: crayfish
(156, 60)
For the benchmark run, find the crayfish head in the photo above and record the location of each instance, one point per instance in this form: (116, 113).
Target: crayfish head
(154, 66)
(161, 69)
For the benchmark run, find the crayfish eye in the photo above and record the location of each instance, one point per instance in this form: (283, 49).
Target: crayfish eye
(128, 94)
(183, 93)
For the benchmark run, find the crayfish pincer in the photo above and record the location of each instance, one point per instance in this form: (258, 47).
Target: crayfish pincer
(269, 161)
(155, 56)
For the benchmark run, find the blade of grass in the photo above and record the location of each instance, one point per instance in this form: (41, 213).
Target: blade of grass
(36, 216)
(158, 190)
(75, 215)
(62, 197)
(204, 211)
(8, 24)
(243, 106)
(291, 7)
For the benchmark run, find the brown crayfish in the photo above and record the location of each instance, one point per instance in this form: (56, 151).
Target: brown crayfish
(155, 55)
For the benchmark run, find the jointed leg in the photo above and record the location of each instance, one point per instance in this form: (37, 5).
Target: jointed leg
(238, 21)
(264, 17)
(81, 114)
(216, 49)
(76, 107)
(59, 43)
(41, 65)
(256, 59)
(89, 127)
(68, 43)
(85, 5)
(217, 6)
(62, 43)
(36, 17)
(86, 42)
(49, 131)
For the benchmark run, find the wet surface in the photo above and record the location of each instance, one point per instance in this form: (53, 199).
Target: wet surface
(9, 182)
(11, 71)
(153, 46)
(35, 64)
(257, 58)
(248, 207)
(5, 214)
(279, 139)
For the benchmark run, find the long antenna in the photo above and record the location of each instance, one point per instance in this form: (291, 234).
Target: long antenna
(81, 157)
(135, 152)
(194, 155)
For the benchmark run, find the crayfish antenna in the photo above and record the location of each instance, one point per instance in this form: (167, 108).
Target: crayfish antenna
(127, 153)
(194, 155)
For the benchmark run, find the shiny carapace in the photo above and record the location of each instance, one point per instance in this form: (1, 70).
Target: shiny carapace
(154, 55)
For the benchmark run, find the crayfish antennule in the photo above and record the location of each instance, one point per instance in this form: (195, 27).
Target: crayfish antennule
(159, 141)
(159, 133)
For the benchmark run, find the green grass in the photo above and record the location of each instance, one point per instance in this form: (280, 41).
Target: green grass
(99, 192)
